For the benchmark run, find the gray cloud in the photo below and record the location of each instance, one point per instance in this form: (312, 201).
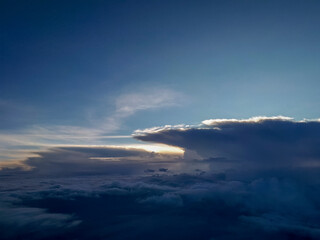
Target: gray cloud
(239, 178)
(110, 160)
(263, 142)
(18, 222)
(204, 207)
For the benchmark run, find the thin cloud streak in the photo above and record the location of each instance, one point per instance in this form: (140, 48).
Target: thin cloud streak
(129, 104)
(126, 105)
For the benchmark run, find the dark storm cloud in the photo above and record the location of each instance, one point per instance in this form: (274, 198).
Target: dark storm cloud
(74, 161)
(259, 142)
(179, 206)
(94, 160)
(239, 179)
(20, 222)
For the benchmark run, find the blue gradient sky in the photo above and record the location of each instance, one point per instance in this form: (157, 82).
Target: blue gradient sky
(159, 119)
(118, 66)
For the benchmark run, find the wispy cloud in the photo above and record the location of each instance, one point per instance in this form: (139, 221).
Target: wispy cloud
(21, 144)
(129, 104)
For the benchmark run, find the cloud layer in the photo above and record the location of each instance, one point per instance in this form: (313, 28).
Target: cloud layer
(260, 142)
(14, 144)
(179, 206)
(238, 179)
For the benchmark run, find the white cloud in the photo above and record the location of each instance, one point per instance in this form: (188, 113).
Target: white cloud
(129, 104)
(160, 129)
(257, 119)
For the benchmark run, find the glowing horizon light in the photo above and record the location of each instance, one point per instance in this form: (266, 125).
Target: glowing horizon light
(158, 148)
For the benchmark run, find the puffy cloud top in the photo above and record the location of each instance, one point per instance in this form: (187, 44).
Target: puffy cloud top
(258, 141)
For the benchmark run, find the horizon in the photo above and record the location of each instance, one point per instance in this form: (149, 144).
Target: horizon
(173, 119)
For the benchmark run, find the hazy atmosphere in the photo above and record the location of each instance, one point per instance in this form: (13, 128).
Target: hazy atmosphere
(159, 119)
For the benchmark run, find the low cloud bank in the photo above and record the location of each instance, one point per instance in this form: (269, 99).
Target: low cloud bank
(182, 206)
(77, 161)
(238, 179)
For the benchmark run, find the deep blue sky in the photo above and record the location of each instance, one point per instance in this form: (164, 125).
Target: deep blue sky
(69, 62)
(89, 90)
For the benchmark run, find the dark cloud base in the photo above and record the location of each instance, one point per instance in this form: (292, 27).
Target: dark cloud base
(238, 180)
(160, 207)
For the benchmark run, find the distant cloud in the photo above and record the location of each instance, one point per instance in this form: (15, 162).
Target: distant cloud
(213, 122)
(260, 142)
(237, 179)
(36, 223)
(91, 160)
(19, 144)
(131, 103)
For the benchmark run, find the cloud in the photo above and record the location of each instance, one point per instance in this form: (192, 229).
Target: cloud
(35, 223)
(128, 104)
(275, 223)
(238, 179)
(259, 119)
(16, 146)
(93, 160)
(260, 142)
(165, 199)
(17, 143)
(164, 206)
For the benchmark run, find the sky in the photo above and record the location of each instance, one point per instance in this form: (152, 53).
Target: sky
(118, 66)
(160, 109)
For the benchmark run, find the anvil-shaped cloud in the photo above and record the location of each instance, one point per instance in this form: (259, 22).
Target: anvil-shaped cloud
(258, 142)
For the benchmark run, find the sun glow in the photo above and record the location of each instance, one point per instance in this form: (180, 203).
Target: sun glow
(158, 148)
